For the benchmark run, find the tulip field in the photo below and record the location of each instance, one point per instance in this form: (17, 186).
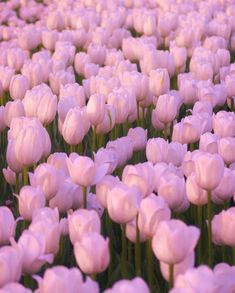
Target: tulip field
(117, 146)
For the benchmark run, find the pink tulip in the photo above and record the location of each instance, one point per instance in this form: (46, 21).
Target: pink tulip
(156, 150)
(224, 124)
(15, 58)
(212, 164)
(65, 280)
(139, 137)
(11, 158)
(6, 74)
(159, 82)
(73, 90)
(34, 73)
(122, 203)
(15, 288)
(9, 175)
(11, 265)
(96, 109)
(29, 200)
(82, 221)
(18, 86)
(2, 123)
(226, 147)
(131, 232)
(209, 143)
(32, 249)
(84, 171)
(59, 78)
(49, 39)
(13, 109)
(29, 38)
(174, 241)
(9, 226)
(195, 194)
(108, 122)
(89, 260)
(153, 210)
(136, 285)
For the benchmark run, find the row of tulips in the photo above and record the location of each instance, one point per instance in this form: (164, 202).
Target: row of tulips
(117, 145)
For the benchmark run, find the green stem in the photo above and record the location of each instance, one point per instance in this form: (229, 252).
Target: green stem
(165, 131)
(223, 253)
(72, 148)
(79, 148)
(171, 276)
(25, 176)
(93, 277)
(129, 255)
(109, 228)
(123, 256)
(138, 113)
(233, 255)
(199, 223)
(84, 197)
(137, 250)
(17, 185)
(149, 253)
(94, 139)
(209, 217)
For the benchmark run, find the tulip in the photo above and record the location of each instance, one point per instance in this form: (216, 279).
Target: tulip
(18, 86)
(224, 124)
(96, 109)
(82, 221)
(173, 242)
(13, 109)
(108, 122)
(136, 285)
(73, 131)
(10, 176)
(15, 288)
(32, 249)
(34, 73)
(46, 109)
(49, 39)
(11, 265)
(89, 260)
(65, 280)
(8, 229)
(159, 88)
(156, 150)
(73, 90)
(139, 137)
(226, 148)
(209, 143)
(195, 280)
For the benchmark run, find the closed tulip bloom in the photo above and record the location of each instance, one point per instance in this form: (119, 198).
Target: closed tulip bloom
(2, 123)
(131, 232)
(6, 74)
(159, 81)
(13, 109)
(29, 200)
(15, 58)
(195, 194)
(80, 60)
(209, 143)
(48, 178)
(9, 175)
(139, 137)
(140, 176)
(11, 265)
(84, 171)
(206, 164)
(174, 241)
(224, 124)
(46, 109)
(156, 150)
(29, 145)
(123, 203)
(224, 277)
(49, 39)
(11, 158)
(63, 199)
(103, 188)
(108, 156)
(226, 188)
(51, 230)
(32, 249)
(96, 109)
(167, 108)
(172, 188)
(73, 90)
(188, 164)
(9, 226)
(202, 107)
(59, 78)
(90, 260)
(18, 86)
(200, 279)
(34, 72)
(108, 122)
(136, 285)
(14, 287)
(153, 210)
(65, 280)
(156, 123)
(226, 148)
(73, 131)
(179, 268)
(82, 221)
(187, 89)
(175, 153)
(29, 38)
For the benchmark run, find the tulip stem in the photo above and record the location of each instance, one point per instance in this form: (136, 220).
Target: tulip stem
(149, 264)
(79, 148)
(94, 139)
(137, 250)
(233, 255)
(199, 223)
(17, 185)
(129, 255)
(109, 228)
(138, 113)
(123, 257)
(25, 175)
(165, 131)
(84, 197)
(72, 148)
(209, 216)
(171, 276)
(93, 276)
